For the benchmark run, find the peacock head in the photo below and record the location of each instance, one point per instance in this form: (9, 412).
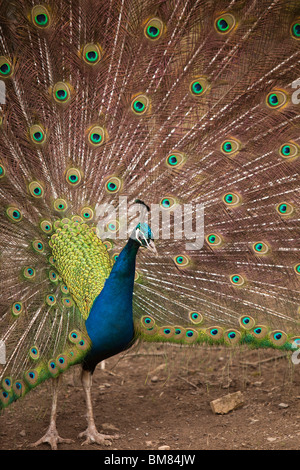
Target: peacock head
(143, 235)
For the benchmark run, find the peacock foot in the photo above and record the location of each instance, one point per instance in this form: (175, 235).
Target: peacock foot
(51, 437)
(94, 437)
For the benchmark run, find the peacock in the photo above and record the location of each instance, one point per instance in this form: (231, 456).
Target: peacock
(149, 182)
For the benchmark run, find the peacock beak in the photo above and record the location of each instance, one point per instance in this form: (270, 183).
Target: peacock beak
(151, 246)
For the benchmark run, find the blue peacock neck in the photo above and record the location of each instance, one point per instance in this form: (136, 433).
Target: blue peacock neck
(110, 322)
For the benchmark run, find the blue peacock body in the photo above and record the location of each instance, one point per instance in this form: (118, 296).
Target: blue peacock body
(167, 104)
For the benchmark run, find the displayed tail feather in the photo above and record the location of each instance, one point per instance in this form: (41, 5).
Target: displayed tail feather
(189, 106)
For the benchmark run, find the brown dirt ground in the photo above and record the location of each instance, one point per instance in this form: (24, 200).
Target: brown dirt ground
(160, 395)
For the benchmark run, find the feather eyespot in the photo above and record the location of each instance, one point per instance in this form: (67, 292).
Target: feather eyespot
(232, 336)
(2, 171)
(64, 289)
(60, 205)
(108, 245)
(225, 23)
(113, 185)
(17, 309)
(61, 92)
(237, 280)
(213, 239)
(295, 30)
(40, 16)
(195, 317)
(284, 208)
(199, 86)
(50, 300)
(36, 189)
(230, 147)
(46, 226)
(73, 177)
(147, 321)
(91, 54)
(87, 213)
(38, 246)
(181, 261)
(260, 248)
(96, 136)
(14, 214)
(53, 276)
(74, 336)
(29, 272)
(297, 269)
(175, 160)
(289, 150)
(214, 332)
(154, 29)
(37, 134)
(276, 99)
(140, 104)
(113, 226)
(279, 338)
(231, 199)
(247, 322)
(68, 302)
(167, 203)
(6, 68)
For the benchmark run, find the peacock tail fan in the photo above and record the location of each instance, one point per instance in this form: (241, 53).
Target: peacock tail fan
(190, 106)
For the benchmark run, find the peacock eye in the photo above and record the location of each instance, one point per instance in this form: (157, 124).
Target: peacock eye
(237, 280)
(231, 199)
(289, 150)
(284, 208)
(199, 86)
(37, 134)
(68, 302)
(2, 171)
(38, 246)
(50, 300)
(181, 261)
(295, 30)
(260, 248)
(230, 147)
(40, 16)
(53, 276)
(96, 136)
(61, 92)
(113, 185)
(278, 337)
(247, 322)
(46, 226)
(276, 99)
(113, 226)
(297, 269)
(36, 189)
(5, 67)
(73, 177)
(225, 23)
(17, 309)
(213, 239)
(154, 29)
(140, 104)
(60, 205)
(14, 214)
(175, 159)
(167, 203)
(29, 272)
(92, 54)
(87, 213)
(195, 317)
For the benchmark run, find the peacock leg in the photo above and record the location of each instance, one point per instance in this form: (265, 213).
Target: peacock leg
(51, 437)
(91, 433)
